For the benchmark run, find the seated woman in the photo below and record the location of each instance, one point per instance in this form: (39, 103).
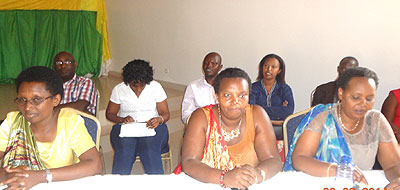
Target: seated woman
(391, 110)
(231, 143)
(138, 98)
(42, 143)
(350, 128)
(271, 91)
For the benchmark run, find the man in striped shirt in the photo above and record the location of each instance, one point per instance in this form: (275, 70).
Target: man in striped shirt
(79, 92)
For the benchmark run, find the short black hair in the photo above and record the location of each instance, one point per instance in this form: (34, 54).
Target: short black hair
(63, 52)
(52, 80)
(137, 71)
(281, 76)
(350, 73)
(231, 73)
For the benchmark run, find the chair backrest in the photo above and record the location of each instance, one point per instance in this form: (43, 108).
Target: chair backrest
(312, 96)
(97, 101)
(290, 126)
(92, 125)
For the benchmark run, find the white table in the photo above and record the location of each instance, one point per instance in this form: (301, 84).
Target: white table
(283, 180)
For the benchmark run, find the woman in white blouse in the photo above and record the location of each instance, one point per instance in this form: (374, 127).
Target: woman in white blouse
(138, 99)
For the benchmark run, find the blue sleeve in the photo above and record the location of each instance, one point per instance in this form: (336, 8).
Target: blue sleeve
(280, 112)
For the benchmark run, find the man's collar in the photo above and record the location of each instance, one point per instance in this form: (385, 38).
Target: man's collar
(205, 82)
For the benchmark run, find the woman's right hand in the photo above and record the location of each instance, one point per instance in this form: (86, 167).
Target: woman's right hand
(127, 119)
(241, 177)
(18, 178)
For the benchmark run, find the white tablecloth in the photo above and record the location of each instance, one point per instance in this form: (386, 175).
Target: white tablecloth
(283, 180)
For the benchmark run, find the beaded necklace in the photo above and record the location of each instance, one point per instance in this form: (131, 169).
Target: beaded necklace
(341, 123)
(231, 135)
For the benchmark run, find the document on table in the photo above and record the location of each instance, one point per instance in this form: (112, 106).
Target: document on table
(136, 129)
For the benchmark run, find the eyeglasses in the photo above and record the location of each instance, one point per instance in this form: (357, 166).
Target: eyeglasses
(35, 101)
(67, 62)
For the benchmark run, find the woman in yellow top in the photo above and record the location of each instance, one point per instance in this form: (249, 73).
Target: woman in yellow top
(42, 143)
(231, 143)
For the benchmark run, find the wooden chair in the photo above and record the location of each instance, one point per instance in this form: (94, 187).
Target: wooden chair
(97, 102)
(94, 129)
(165, 157)
(92, 125)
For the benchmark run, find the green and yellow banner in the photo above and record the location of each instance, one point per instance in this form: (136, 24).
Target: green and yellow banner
(32, 32)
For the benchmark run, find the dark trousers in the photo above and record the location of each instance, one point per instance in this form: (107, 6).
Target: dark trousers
(149, 148)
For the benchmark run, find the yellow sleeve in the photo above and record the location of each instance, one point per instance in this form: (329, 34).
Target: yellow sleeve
(80, 140)
(5, 130)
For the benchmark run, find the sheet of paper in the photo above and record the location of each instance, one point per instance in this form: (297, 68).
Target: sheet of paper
(136, 130)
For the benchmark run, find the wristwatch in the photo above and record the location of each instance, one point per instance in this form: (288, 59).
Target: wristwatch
(49, 176)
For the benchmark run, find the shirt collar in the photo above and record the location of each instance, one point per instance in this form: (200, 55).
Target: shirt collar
(272, 89)
(206, 83)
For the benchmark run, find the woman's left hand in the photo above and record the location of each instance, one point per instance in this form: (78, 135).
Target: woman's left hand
(154, 122)
(23, 178)
(359, 176)
(394, 185)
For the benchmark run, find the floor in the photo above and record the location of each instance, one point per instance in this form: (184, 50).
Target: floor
(105, 86)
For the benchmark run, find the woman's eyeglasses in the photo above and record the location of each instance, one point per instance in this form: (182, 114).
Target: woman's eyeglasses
(67, 62)
(35, 101)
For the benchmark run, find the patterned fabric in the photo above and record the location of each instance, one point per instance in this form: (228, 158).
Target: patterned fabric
(332, 144)
(80, 88)
(22, 149)
(216, 154)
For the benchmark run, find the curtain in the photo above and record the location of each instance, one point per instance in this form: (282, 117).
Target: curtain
(52, 26)
(34, 37)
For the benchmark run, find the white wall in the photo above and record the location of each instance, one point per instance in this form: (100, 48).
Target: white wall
(310, 35)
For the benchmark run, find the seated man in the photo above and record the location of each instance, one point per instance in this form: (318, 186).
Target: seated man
(200, 93)
(79, 92)
(327, 93)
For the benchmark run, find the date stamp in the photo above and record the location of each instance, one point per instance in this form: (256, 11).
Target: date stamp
(355, 189)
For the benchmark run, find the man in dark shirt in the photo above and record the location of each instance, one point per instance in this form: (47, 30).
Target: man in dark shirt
(327, 93)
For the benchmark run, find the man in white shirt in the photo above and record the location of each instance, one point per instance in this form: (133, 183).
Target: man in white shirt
(200, 93)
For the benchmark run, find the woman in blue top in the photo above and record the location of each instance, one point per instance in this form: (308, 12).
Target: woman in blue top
(271, 91)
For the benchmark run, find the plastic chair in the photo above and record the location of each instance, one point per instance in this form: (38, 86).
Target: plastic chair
(290, 126)
(166, 155)
(94, 129)
(97, 101)
(92, 125)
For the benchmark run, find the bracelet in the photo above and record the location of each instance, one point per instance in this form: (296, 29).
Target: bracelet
(221, 179)
(162, 119)
(262, 174)
(49, 176)
(329, 169)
